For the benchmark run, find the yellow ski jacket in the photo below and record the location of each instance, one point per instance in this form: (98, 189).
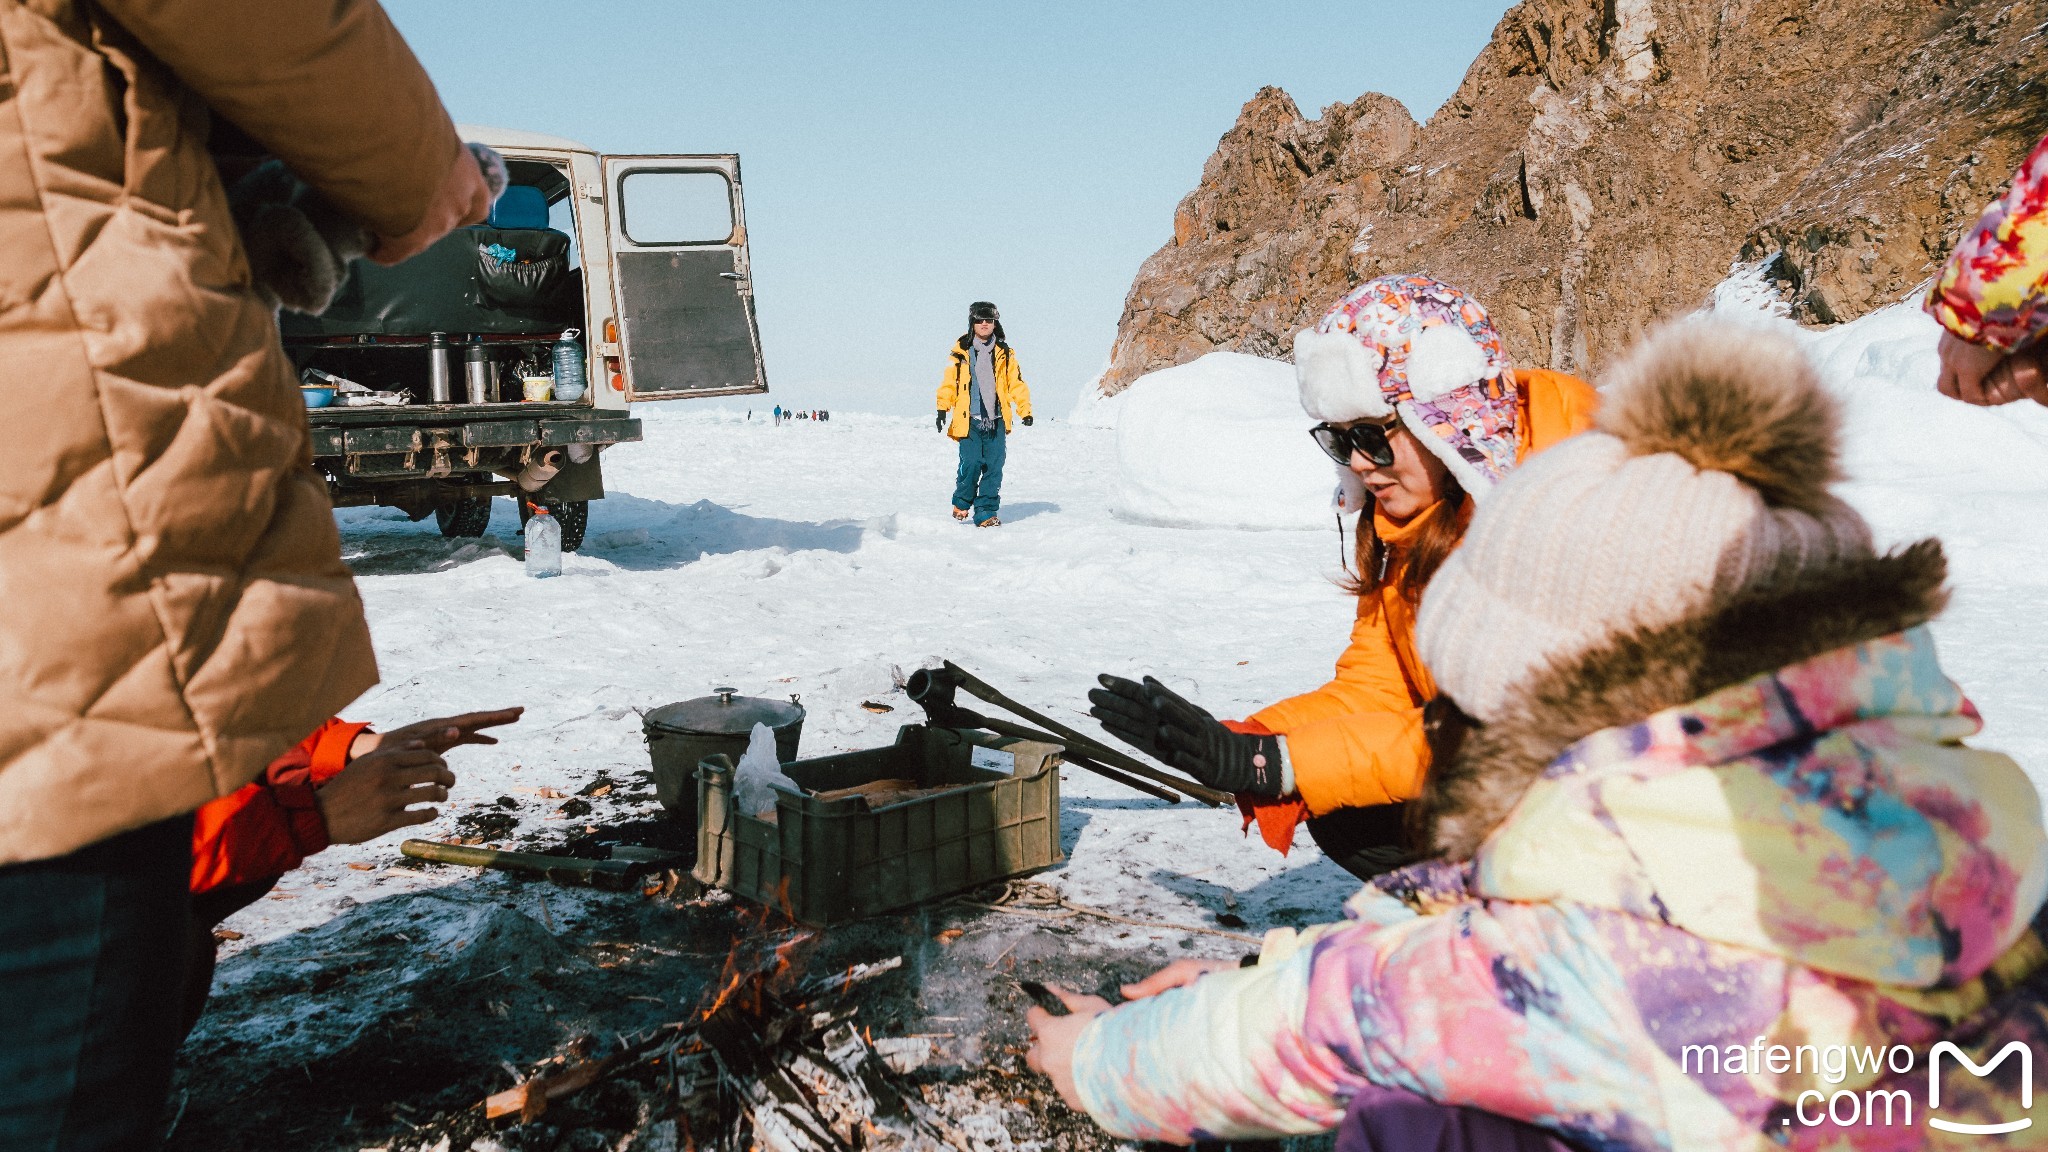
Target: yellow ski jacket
(956, 391)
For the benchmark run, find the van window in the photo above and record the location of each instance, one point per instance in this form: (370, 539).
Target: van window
(668, 207)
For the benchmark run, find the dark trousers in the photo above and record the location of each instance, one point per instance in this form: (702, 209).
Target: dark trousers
(92, 974)
(979, 485)
(1364, 841)
(1384, 1120)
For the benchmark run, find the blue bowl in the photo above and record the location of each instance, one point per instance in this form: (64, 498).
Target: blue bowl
(318, 397)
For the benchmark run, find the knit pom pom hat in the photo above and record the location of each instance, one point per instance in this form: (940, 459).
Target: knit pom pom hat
(1419, 349)
(1707, 474)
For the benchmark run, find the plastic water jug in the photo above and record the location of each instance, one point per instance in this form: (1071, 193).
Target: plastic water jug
(543, 545)
(570, 380)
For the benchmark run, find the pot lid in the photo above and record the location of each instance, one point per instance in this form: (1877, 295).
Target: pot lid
(725, 713)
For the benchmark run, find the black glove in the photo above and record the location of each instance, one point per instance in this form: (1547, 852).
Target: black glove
(942, 419)
(1027, 421)
(1154, 719)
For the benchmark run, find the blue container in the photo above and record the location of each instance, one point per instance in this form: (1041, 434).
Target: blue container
(570, 378)
(317, 397)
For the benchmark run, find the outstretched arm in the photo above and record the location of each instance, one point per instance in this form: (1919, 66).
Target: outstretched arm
(1512, 1008)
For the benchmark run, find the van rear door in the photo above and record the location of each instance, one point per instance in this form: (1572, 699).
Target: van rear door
(685, 294)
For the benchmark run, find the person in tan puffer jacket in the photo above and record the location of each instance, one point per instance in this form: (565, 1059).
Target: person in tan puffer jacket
(174, 611)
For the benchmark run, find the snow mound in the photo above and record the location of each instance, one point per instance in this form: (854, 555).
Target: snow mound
(1219, 443)
(1094, 410)
(1899, 428)
(1896, 426)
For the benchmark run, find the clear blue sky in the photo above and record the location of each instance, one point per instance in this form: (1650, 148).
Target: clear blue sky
(902, 160)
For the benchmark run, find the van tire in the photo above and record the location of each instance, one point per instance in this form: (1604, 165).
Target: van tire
(572, 515)
(464, 516)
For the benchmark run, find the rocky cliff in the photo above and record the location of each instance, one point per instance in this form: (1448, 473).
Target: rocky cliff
(1604, 164)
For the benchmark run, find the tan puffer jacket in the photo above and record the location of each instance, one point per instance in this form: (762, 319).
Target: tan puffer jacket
(174, 611)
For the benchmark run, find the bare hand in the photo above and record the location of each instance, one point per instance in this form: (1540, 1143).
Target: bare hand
(1053, 1039)
(462, 199)
(439, 735)
(1178, 974)
(1963, 368)
(373, 794)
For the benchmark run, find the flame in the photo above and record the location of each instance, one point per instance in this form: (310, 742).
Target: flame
(748, 974)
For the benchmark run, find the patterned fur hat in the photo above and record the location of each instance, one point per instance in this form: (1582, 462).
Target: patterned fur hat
(1420, 349)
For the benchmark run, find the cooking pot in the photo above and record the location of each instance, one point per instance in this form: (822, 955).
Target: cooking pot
(681, 734)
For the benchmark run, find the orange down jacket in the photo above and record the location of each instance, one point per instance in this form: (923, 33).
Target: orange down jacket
(1357, 741)
(174, 611)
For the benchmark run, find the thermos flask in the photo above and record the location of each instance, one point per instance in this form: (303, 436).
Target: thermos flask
(440, 389)
(476, 366)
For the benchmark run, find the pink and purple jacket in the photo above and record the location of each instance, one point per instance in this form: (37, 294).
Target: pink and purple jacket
(1994, 287)
(1692, 932)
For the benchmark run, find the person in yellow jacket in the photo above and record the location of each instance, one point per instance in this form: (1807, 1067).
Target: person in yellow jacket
(1423, 414)
(981, 393)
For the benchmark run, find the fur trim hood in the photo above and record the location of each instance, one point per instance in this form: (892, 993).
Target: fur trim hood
(1650, 670)
(1782, 771)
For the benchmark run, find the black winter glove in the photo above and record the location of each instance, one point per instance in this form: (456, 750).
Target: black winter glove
(1153, 718)
(1027, 421)
(942, 420)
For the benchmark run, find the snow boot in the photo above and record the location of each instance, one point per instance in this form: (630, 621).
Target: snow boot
(962, 513)
(991, 522)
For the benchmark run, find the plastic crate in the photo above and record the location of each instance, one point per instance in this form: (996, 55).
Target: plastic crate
(828, 861)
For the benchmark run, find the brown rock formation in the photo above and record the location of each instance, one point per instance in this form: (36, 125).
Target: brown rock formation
(1603, 165)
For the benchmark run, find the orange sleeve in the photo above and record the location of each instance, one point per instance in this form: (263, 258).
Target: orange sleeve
(330, 745)
(269, 826)
(1358, 739)
(1359, 760)
(1368, 679)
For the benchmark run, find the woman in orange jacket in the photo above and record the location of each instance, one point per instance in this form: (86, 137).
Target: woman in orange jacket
(1423, 415)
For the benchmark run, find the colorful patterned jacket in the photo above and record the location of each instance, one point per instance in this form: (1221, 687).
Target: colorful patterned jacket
(1698, 930)
(1994, 287)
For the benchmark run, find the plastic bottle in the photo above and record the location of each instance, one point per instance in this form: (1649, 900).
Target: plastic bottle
(570, 380)
(543, 544)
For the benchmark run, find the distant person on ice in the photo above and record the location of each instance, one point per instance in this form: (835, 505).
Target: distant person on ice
(983, 388)
(1423, 416)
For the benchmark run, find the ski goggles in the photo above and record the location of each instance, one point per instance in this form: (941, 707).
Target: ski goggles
(1339, 441)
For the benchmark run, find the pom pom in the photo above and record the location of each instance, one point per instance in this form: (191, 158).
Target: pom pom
(1735, 399)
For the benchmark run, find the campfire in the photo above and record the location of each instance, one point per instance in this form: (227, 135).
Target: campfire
(770, 1060)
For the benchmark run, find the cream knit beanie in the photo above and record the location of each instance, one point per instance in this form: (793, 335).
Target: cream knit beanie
(1707, 473)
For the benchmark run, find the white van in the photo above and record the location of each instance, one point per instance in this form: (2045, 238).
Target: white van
(642, 260)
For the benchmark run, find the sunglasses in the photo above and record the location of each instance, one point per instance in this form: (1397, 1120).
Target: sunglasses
(1368, 440)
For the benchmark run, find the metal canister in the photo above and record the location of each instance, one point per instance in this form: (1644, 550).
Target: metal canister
(440, 389)
(476, 369)
(680, 735)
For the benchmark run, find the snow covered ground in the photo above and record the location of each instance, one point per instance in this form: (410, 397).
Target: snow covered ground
(820, 559)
